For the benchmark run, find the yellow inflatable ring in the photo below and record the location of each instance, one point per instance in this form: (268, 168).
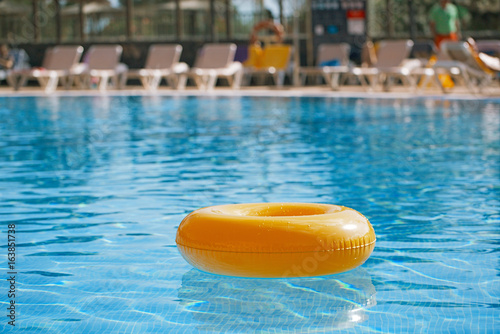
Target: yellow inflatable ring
(275, 239)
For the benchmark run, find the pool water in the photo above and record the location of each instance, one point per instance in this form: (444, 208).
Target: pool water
(97, 186)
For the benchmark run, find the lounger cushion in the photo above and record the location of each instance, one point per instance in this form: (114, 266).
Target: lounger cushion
(332, 62)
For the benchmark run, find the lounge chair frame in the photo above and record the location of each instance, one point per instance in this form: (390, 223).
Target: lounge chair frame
(392, 63)
(464, 67)
(57, 67)
(330, 74)
(103, 66)
(214, 61)
(162, 63)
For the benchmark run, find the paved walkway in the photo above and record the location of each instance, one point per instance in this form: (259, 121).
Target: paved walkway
(345, 91)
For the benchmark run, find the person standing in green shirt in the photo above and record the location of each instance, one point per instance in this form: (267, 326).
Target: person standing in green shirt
(444, 22)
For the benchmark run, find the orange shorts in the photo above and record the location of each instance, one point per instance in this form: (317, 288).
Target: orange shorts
(440, 38)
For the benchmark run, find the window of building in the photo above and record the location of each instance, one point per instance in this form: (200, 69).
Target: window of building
(154, 20)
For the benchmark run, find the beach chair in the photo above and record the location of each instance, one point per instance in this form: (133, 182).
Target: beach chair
(424, 75)
(214, 61)
(332, 61)
(465, 66)
(490, 47)
(392, 62)
(274, 61)
(102, 64)
(57, 67)
(162, 62)
(424, 50)
(489, 53)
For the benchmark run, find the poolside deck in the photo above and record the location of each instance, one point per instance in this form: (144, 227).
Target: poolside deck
(345, 91)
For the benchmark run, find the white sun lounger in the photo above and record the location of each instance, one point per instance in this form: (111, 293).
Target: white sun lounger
(214, 61)
(103, 65)
(58, 66)
(392, 61)
(327, 54)
(464, 65)
(162, 62)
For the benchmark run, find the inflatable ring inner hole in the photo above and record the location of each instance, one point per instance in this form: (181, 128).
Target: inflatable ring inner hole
(284, 211)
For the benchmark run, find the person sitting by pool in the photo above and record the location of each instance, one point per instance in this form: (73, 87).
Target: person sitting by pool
(12, 62)
(6, 58)
(6, 61)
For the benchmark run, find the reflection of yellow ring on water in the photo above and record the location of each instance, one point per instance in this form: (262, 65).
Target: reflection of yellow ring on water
(275, 239)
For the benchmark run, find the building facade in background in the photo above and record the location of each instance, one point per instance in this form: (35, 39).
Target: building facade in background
(65, 21)
(36, 24)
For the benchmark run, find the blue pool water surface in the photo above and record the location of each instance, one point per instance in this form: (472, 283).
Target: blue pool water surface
(97, 186)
